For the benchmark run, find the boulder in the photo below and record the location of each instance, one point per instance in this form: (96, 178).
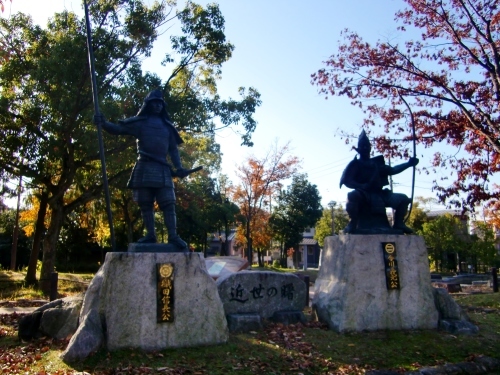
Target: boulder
(28, 326)
(61, 321)
(447, 307)
(57, 319)
(351, 292)
(452, 318)
(86, 341)
(124, 295)
(261, 292)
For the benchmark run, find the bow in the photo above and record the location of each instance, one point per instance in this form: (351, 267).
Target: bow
(414, 154)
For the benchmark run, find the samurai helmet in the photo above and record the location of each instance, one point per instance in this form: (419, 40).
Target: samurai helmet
(364, 146)
(154, 95)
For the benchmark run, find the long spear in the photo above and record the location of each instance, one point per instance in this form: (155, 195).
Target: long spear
(99, 128)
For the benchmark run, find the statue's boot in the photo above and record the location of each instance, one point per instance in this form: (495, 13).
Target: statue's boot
(399, 216)
(352, 211)
(171, 224)
(148, 218)
(351, 227)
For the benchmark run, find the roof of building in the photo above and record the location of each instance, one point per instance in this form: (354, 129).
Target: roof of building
(308, 241)
(444, 212)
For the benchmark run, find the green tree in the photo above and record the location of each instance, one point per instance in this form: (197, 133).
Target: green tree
(483, 253)
(418, 217)
(299, 207)
(323, 227)
(447, 239)
(46, 103)
(226, 214)
(7, 222)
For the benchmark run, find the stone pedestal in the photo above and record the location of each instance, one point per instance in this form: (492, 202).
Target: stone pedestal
(351, 293)
(124, 294)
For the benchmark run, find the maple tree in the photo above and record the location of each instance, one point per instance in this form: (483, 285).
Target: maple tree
(261, 234)
(446, 84)
(260, 179)
(492, 214)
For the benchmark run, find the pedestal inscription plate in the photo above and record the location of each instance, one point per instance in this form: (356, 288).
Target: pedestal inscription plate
(165, 292)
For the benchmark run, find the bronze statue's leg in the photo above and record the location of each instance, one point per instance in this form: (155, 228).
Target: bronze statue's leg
(170, 219)
(352, 208)
(399, 216)
(149, 223)
(145, 199)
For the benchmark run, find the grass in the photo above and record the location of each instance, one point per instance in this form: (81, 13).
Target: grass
(13, 286)
(278, 349)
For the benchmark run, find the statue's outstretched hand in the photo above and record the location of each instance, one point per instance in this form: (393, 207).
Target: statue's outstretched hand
(99, 119)
(413, 162)
(181, 172)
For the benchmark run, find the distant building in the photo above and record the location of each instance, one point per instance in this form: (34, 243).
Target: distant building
(219, 244)
(309, 250)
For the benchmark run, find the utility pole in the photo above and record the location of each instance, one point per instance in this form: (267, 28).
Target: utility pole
(332, 205)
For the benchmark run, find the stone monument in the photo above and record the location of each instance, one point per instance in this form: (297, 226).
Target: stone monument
(250, 297)
(149, 301)
(373, 277)
(375, 282)
(150, 297)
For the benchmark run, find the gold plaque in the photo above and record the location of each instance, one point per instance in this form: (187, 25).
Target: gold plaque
(165, 292)
(166, 270)
(389, 248)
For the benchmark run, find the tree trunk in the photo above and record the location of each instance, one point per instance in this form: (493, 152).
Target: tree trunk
(225, 247)
(50, 244)
(259, 258)
(15, 236)
(37, 239)
(249, 242)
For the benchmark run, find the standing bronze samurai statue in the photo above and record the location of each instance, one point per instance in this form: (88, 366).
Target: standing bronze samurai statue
(366, 204)
(151, 178)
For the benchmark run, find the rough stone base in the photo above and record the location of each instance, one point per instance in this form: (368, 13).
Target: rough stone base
(351, 292)
(242, 323)
(124, 293)
(57, 319)
(458, 327)
(289, 317)
(136, 247)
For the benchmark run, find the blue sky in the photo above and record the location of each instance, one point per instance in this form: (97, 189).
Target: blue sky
(278, 45)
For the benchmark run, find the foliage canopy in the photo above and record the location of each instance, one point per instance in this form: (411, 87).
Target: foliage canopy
(446, 84)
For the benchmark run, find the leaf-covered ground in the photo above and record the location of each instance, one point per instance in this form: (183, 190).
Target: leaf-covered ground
(278, 349)
(295, 349)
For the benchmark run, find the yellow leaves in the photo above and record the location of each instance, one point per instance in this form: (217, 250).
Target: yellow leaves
(29, 216)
